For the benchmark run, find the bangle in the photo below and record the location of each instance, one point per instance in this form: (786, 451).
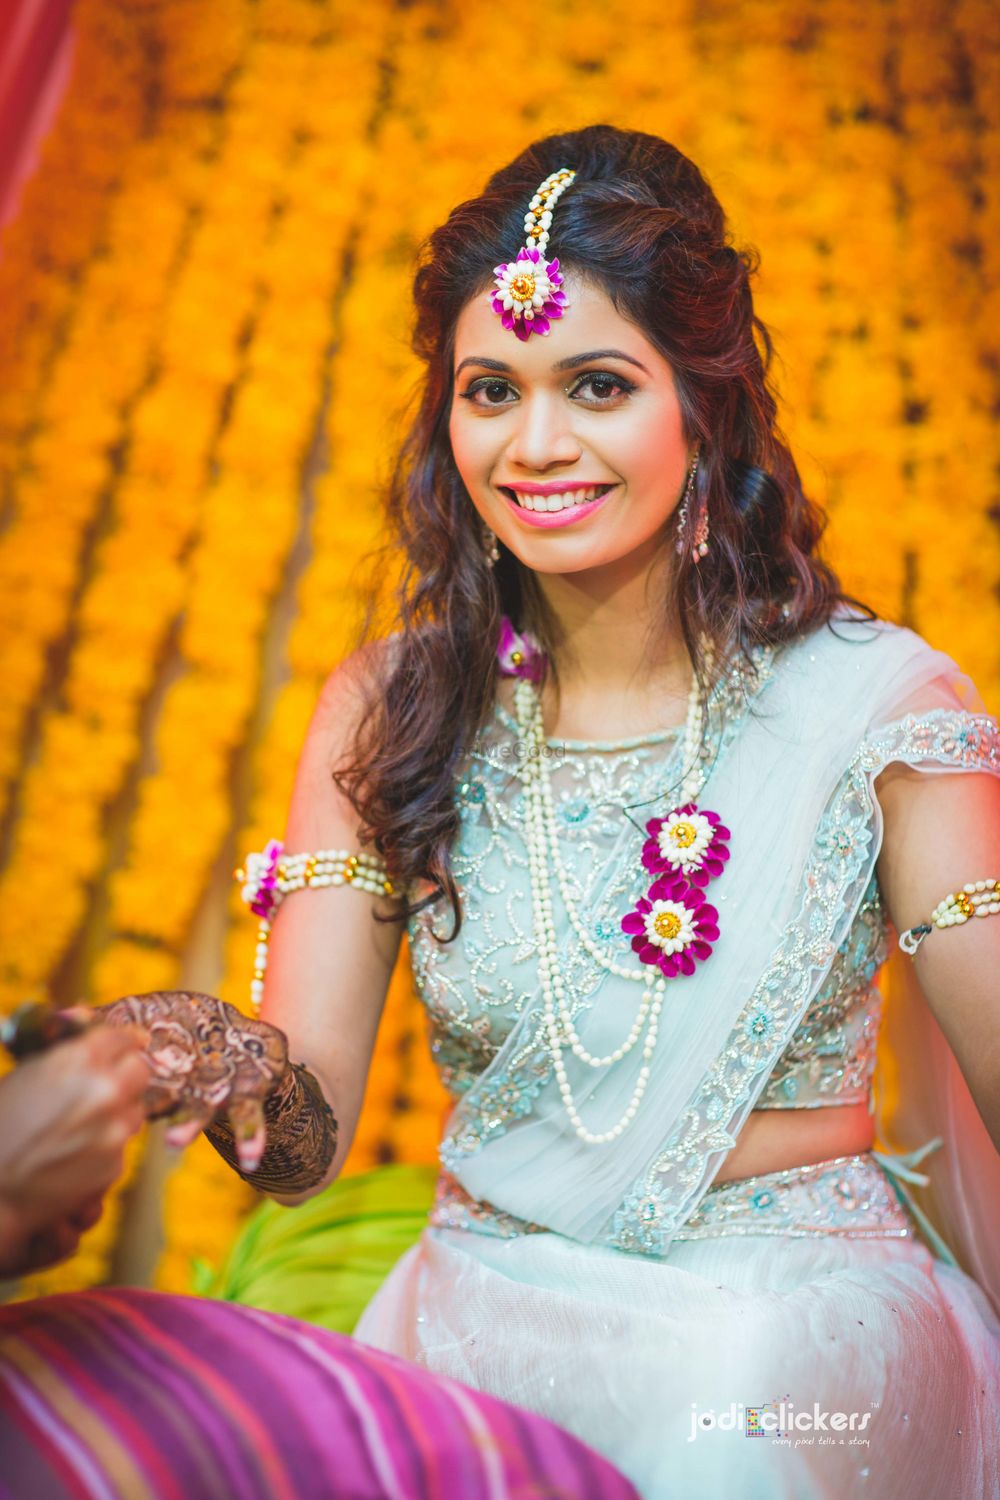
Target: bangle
(979, 898)
(268, 877)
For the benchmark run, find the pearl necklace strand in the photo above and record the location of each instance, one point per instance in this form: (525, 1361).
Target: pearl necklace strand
(543, 843)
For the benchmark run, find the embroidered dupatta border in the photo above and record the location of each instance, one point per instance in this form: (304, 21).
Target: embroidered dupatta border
(667, 1193)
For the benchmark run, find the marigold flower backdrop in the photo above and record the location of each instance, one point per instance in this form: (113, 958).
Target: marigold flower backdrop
(203, 358)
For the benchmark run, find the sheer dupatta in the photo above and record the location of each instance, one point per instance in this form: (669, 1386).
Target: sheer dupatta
(794, 784)
(925, 1111)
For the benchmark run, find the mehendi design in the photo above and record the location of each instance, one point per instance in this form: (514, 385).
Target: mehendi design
(216, 1067)
(203, 1053)
(301, 1137)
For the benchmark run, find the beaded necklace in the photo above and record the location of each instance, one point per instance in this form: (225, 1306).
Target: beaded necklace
(672, 927)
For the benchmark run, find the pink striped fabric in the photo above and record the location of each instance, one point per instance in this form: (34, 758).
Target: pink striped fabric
(123, 1393)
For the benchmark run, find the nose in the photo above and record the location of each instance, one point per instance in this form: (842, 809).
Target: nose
(543, 434)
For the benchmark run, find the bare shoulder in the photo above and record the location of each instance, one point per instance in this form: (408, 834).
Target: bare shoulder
(348, 691)
(323, 813)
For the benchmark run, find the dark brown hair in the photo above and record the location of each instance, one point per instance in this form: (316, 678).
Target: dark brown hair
(640, 222)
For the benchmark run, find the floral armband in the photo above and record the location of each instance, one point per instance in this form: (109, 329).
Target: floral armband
(268, 877)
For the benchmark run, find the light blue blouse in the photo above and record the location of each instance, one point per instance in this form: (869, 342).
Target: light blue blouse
(476, 987)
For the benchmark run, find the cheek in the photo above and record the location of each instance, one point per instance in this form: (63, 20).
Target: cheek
(653, 452)
(471, 451)
(459, 447)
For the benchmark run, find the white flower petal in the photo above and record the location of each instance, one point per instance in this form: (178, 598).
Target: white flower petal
(685, 934)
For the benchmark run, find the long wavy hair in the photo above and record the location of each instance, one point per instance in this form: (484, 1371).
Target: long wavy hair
(640, 222)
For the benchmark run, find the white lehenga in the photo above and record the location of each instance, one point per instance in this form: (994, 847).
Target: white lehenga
(611, 1287)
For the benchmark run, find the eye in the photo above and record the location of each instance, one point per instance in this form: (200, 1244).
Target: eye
(489, 386)
(603, 384)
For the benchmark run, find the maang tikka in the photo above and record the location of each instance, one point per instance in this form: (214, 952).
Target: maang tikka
(699, 545)
(529, 293)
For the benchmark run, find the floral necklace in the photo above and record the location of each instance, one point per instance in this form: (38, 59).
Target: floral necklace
(672, 927)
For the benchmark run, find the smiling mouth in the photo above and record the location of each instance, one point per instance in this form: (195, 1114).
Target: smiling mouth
(561, 501)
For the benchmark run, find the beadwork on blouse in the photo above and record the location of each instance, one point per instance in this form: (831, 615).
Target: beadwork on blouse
(475, 988)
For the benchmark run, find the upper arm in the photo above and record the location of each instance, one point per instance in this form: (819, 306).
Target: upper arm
(329, 963)
(941, 831)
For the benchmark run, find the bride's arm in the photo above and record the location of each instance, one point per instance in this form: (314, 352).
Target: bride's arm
(329, 962)
(279, 1098)
(941, 832)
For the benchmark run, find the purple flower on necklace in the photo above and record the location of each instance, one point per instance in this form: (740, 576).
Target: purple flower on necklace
(689, 841)
(672, 927)
(529, 292)
(519, 655)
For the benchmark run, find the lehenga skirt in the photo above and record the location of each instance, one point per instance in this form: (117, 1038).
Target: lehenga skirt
(798, 1340)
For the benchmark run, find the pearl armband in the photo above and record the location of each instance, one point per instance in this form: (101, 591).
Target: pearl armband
(979, 898)
(271, 875)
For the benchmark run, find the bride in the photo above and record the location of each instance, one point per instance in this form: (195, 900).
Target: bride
(651, 798)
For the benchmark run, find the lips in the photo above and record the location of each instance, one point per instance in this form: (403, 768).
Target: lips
(544, 500)
(562, 514)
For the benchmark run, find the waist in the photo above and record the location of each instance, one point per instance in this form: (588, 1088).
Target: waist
(773, 1140)
(849, 1195)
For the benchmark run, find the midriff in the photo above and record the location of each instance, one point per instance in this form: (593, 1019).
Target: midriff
(772, 1140)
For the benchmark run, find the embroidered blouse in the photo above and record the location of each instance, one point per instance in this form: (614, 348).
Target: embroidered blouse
(604, 792)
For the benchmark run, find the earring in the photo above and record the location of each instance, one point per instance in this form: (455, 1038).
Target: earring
(492, 550)
(699, 545)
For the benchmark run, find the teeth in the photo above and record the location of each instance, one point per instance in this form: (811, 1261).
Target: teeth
(561, 501)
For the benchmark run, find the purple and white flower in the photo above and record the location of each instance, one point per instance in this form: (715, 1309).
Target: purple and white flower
(259, 889)
(689, 841)
(519, 654)
(529, 293)
(673, 926)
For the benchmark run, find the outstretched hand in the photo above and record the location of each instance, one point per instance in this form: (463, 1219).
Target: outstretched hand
(66, 1116)
(207, 1060)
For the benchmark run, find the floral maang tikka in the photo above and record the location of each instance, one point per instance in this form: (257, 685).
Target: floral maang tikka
(529, 295)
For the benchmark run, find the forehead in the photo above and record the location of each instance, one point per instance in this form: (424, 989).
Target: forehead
(591, 321)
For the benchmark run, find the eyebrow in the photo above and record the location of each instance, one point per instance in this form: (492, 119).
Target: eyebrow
(563, 364)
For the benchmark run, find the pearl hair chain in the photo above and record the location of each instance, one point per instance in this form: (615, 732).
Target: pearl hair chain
(543, 844)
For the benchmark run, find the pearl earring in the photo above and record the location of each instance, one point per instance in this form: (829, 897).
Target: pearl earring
(492, 550)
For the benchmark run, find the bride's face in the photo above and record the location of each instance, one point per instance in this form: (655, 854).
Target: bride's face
(591, 406)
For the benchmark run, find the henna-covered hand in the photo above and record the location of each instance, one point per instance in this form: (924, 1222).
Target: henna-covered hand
(207, 1061)
(301, 1137)
(214, 1069)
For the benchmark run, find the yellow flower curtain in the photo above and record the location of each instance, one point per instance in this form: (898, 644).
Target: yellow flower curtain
(203, 367)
